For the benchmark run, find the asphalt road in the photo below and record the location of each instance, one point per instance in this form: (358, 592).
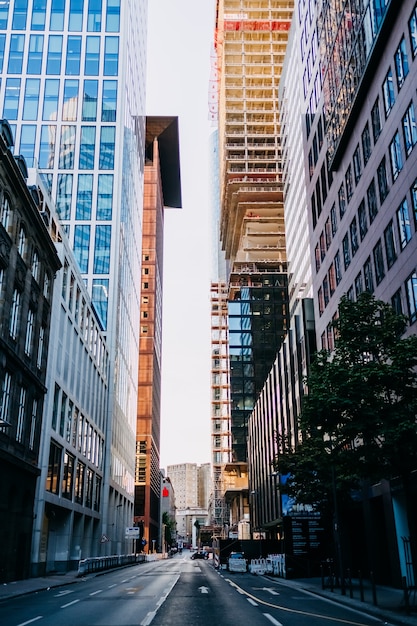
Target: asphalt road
(177, 592)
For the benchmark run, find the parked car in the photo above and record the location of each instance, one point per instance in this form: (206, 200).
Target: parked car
(200, 555)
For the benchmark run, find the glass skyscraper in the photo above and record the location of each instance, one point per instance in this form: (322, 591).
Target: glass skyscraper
(73, 90)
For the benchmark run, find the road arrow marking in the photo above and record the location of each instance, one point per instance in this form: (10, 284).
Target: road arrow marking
(271, 591)
(272, 620)
(203, 589)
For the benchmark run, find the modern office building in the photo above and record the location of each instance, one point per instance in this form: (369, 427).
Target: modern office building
(73, 89)
(28, 265)
(162, 189)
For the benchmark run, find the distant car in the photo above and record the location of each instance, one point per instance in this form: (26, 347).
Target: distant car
(200, 555)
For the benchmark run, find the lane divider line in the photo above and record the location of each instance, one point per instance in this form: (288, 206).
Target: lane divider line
(64, 606)
(34, 619)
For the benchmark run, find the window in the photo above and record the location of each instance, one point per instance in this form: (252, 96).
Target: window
(390, 251)
(94, 16)
(89, 110)
(366, 144)
(376, 121)
(38, 14)
(100, 300)
(54, 57)
(11, 98)
(401, 63)
(81, 246)
(396, 302)
(113, 16)
(332, 279)
(87, 145)
(342, 200)
(29, 332)
(5, 398)
(354, 241)
(107, 147)
(57, 15)
(382, 181)
(33, 425)
(15, 64)
(409, 129)
(21, 242)
(19, 15)
(337, 268)
(39, 358)
(111, 56)
(396, 157)
(67, 148)
(104, 197)
(349, 183)
(388, 91)
(357, 164)
(317, 257)
(5, 212)
(4, 14)
(368, 275)
(76, 15)
(109, 101)
(358, 285)
(54, 469)
(326, 291)
(84, 197)
(20, 427)
(73, 60)
(35, 266)
(92, 56)
(346, 251)
(363, 221)
(14, 315)
(64, 195)
(333, 220)
(378, 262)
(50, 101)
(102, 250)
(79, 483)
(68, 476)
(2, 46)
(412, 29)
(414, 201)
(46, 286)
(320, 300)
(404, 226)
(411, 292)
(372, 201)
(328, 233)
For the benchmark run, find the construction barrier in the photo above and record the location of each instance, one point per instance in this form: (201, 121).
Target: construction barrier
(274, 564)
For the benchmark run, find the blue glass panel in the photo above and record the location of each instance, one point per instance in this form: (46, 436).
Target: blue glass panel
(113, 16)
(84, 197)
(63, 196)
(87, 145)
(2, 43)
(67, 147)
(81, 246)
(47, 147)
(92, 56)
(111, 56)
(34, 65)
(72, 66)
(107, 139)
(102, 250)
(100, 296)
(17, 43)
(38, 14)
(89, 113)
(20, 14)
(31, 101)
(70, 101)
(57, 15)
(104, 197)
(50, 100)
(108, 107)
(53, 63)
(94, 16)
(27, 143)
(4, 14)
(11, 98)
(76, 15)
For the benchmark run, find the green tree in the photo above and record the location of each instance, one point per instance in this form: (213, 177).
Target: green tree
(358, 420)
(169, 528)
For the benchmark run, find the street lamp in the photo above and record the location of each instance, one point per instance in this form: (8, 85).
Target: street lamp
(254, 495)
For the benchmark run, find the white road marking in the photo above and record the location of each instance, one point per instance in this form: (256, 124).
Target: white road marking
(148, 619)
(203, 589)
(272, 620)
(35, 619)
(114, 585)
(94, 593)
(252, 602)
(64, 606)
(63, 593)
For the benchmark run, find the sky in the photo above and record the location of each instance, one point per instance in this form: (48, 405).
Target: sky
(180, 34)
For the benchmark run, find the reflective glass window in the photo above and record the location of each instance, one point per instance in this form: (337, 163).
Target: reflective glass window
(4, 14)
(76, 15)
(87, 144)
(404, 223)
(2, 44)
(111, 56)
(63, 195)
(81, 246)
(84, 197)
(94, 16)
(50, 99)
(67, 147)
(113, 16)
(72, 65)
(53, 61)
(20, 14)
(92, 56)
(11, 98)
(57, 15)
(89, 113)
(47, 147)
(410, 129)
(108, 107)
(31, 100)
(401, 63)
(27, 143)
(389, 95)
(100, 298)
(17, 43)
(102, 250)
(70, 101)
(34, 64)
(38, 15)
(107, 139)
(104, 197)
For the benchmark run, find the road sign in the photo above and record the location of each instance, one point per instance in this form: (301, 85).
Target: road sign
(104, 539)
(132, 532)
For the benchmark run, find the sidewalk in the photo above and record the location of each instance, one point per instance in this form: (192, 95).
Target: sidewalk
(32, 585)
(390, 602)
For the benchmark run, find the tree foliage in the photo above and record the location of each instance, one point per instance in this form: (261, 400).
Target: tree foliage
(358, 420)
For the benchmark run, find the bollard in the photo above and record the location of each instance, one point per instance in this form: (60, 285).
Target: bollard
(350, 583)
(374, 598)
(322, 576)
(361, 586)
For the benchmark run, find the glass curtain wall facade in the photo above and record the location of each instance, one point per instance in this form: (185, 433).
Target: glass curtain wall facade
(73, 90)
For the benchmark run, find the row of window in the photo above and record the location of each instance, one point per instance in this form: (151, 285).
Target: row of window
(80, 189)
(72, 55)
(61, 14)
(75, 428)
(397, 235)
(19, 413)
(71, 479)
